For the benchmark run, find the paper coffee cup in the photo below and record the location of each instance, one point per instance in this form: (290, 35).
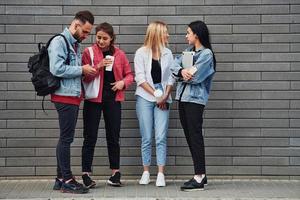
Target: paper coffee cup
(109, 67)
(158, 95)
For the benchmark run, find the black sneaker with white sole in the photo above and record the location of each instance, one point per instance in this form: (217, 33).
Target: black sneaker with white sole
(87, 181)
(192, 185)
(73, 187)
(115, 180)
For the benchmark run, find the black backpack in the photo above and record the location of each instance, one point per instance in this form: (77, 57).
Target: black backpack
(43, 80)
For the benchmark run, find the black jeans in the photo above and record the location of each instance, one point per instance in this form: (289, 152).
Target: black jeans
(191, 118)
(67, 116)
(91, 118)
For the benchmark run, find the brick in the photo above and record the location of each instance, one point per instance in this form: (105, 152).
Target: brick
(262, 85)
(123, 19)
(286, 170)
(213, 29)
(2, 143)
(275, 161)
(2, 105)
(234, 95)
(2, 48)
(22, 48)
(260, 142)
(34, 29)
(3, 86)
(204, 10)
(286, 132)
(261, 9)
(219, 2)
(17, 133)
(280, 151)
(76, 2)
(280, 76)
(295, 160)
(177, 2)
(208, 160)
(2, 10)
(222, 86)
(41, 2)
(280, 57)
(13, 152)
(17, 67)
(242, 57)
(52, 20)
(19, 114)
(14, 38)
(28, 105)
(232, 19)
(295, 141)
(3, 67)
(294, 114)
(120, 2)
(20, 86)
(149, 10)
(31, 161)
(16, 19)
(294, 123)
(219, 104)
(36, 10)
(175, 19)
(14, 57)
(295, 67)
(2, 162)
(237, 76)
(96, 10)
(276, 19)
(262, 66)
(295, 47)
(280, 38)
(241, 170)
(261, 47)
(236, 38)
(275, 114)
(295, 28)
(266, 104)
(248, 161)
(17, 171)
(280, 123)
(13, 95)
(282, 95)
(2, 28)
(232, 114)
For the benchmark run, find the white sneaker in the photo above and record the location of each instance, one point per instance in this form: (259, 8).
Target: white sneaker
(145, 179)
(160, 181)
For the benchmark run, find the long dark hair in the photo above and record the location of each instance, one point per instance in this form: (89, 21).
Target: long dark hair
(200, 29)
(107, 28)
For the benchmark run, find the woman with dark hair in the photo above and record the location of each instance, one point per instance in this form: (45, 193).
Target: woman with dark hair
(115, 76)
(194, 84)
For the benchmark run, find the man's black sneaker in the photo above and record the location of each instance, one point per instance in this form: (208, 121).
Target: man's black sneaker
(57, 184)
(73, 187)
(87, 181)
(115, 180)
(192, 185)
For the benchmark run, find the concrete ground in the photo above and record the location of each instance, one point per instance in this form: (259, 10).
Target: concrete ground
(216, 190)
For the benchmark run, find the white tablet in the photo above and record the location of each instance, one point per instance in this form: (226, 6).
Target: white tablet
(187, 59)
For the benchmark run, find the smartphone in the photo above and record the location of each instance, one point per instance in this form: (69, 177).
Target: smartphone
(187, 59)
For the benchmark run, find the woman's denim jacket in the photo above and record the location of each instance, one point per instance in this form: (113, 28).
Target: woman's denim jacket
(197, 89)
(70, 83)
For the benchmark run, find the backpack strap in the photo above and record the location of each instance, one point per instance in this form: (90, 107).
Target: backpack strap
(67, 43)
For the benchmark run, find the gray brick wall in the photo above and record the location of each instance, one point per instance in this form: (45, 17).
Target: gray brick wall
(251, 124)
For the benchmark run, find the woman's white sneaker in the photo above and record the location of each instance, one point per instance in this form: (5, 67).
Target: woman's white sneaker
(160, 180)
(145, 179)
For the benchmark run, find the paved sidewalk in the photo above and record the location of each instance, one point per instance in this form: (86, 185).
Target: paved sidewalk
(217, 189)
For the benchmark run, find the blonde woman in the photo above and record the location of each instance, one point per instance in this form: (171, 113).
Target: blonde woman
(152, 64)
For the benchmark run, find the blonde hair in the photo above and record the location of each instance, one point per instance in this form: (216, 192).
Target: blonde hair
(155, 34)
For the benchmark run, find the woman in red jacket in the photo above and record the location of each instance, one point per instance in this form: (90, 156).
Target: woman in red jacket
(113, 82)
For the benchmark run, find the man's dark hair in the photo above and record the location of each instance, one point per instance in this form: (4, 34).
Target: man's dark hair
(84, 16)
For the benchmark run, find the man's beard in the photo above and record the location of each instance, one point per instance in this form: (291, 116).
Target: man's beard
(77, 36)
